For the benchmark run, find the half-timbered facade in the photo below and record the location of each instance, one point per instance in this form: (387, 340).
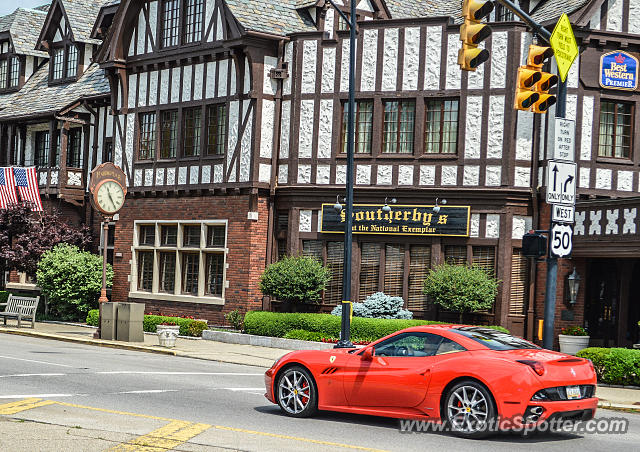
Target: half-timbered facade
(228, 118)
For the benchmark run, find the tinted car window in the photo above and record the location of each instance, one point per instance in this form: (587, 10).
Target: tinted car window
(493, 339)
(416, 344)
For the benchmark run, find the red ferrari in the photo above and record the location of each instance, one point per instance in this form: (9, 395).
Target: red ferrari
(469, 377)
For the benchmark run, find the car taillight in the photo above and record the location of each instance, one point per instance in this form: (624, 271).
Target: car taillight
(535, 365)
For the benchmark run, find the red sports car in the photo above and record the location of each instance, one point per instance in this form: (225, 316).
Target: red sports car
(469, 377)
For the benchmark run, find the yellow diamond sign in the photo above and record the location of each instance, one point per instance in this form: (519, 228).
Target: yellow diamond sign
(564, 46)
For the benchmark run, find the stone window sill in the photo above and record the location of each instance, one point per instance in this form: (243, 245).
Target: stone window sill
(178, 298)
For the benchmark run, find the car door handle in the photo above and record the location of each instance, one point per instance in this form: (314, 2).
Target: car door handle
(425, 372)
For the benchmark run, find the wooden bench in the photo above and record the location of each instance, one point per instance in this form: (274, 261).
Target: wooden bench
(20, 308)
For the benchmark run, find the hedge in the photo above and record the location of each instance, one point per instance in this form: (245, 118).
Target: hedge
(614, 366)
(188, 327)
(275, 324)
(4, 296)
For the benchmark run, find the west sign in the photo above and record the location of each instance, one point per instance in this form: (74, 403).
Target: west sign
(401, 220)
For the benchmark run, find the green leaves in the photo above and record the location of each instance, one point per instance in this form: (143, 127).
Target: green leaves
(71, 280)
(460, 288)
(298, 279)
(615, 366)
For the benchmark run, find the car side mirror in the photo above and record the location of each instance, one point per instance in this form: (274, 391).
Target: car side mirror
(367, 354)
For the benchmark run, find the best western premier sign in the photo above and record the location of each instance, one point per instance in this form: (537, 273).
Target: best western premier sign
(402, 220)
(618, 70)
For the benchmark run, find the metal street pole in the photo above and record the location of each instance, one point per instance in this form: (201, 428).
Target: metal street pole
(552, 262)
(103, 292)
(345, 329)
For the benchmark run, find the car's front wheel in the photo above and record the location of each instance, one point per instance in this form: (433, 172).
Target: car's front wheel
(469, 409)
(297, 393)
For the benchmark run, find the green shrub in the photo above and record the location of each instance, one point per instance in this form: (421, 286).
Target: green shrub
(4, 296)
(197, 327)
(235, 319)
(275, 324)
(151, 322)
(298, 279)
(615, 366)
(460, 288)
(307, 336)
(71, 280)
(93, 317)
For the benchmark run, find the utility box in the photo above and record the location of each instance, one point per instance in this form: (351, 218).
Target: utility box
(108, 322)
(130, 320)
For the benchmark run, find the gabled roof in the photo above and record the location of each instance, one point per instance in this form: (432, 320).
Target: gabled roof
(23, 25)
(82, 14)
(38, 98)
(552, 9)
(403, 9)
(278, 18)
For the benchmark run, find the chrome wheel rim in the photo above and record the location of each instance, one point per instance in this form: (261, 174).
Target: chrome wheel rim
(294, 392)
(468, 410)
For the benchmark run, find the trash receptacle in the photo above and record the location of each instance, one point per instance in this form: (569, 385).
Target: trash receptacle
(130, 319)
(108, 321)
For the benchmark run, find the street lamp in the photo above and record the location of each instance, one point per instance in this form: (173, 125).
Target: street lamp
(345, 330)
(436, 208)
(573, 280)
(386, 208)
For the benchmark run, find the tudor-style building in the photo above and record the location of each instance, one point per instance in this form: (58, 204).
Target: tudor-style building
(227, 117)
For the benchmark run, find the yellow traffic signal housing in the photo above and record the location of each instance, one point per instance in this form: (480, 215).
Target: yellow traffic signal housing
(537, 55)
(543, 103)
(525, 95)
(472, 32)
(532, 91)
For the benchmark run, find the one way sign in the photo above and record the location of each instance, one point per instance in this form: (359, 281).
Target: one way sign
(561, 183)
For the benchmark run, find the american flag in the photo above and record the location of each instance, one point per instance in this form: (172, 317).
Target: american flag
(27, 183)
(7, 188)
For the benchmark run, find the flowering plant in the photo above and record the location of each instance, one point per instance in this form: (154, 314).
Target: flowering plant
(574, 331)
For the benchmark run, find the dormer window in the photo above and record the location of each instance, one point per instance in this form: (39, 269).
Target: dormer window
(9, 73)
(64, 62)
(182, 22)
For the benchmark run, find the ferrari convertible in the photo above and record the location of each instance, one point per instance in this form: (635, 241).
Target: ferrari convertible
(467, 377)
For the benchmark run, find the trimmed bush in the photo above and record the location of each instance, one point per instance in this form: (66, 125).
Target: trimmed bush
(71, 280)
(299, 279)
(275, 324)
(4, 296)
(615, 366)
(307, 336)
(151, 322)
(378, 306)
(460, 288)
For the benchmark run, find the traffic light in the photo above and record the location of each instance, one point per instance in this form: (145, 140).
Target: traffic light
(472, 33)
(534, 245)
(532, 90)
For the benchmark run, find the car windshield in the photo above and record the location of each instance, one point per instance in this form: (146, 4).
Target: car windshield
(493, 339)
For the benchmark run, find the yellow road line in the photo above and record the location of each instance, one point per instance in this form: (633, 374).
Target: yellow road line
(23, 405)
(296, 438)
(105, 410)
(163, 439)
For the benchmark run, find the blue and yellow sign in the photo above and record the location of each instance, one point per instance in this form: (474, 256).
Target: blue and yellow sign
(619, 70)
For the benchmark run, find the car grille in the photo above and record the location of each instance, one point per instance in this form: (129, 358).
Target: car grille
(559, 393)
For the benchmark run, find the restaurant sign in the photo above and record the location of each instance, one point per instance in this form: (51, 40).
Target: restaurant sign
(619, 70)
(401, 220)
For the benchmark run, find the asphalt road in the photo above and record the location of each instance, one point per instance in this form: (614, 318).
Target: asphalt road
(104, 397)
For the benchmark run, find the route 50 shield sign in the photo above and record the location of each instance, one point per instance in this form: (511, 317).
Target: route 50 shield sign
(561, 244)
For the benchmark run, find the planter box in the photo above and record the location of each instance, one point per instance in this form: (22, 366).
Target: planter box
(167, 335)
(264, 341)
(572, 344)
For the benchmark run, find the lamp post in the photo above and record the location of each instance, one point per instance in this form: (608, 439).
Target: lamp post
(345, 330)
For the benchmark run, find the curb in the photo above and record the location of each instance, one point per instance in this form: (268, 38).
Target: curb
(97, 342)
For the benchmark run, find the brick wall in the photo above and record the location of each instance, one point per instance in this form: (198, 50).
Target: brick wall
(565, 267)
(246, 240)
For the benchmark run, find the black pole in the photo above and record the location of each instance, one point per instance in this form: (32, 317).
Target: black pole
(345, 329)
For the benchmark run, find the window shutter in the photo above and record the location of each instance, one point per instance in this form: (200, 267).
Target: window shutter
(393, 270)
(369, 269)
(519, 277)
(335, 262)
(419, 265)
(455, 254)
(312, 248)
(485, 258)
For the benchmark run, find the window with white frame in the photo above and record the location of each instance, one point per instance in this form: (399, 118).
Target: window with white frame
(180, 260)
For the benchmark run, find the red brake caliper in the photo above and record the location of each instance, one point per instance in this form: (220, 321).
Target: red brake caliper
(304, 387)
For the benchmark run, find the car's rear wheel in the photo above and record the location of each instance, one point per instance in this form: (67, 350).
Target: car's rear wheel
(297, 393)
(470, 411)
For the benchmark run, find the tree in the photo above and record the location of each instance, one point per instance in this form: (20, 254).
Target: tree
(460, 288)
(25, 236)
(71, 280)
(295, 280)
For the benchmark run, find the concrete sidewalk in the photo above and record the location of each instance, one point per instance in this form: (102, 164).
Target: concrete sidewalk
(620, 398)
(191, 348)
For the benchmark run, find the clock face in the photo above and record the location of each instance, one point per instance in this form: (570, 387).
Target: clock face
(109, 196)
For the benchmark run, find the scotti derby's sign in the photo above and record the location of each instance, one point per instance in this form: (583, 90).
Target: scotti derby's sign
(619, 70)
(402, 220)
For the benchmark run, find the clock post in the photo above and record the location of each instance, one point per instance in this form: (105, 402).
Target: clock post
(108, 189)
